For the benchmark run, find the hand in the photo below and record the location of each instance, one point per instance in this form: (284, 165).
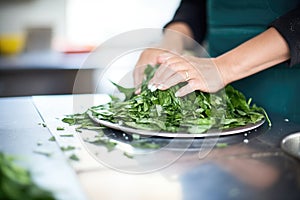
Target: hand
(149, 56)
(176, 31)
(200, 74)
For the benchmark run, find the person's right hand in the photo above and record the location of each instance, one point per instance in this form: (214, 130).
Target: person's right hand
(175, 37)
(148, 57)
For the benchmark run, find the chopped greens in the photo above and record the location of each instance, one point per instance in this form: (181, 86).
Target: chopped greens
(145, 145)
(16, 182)
(221, 145)
(73, 157)
(160, 110)
(163, 111)
(82, 120)
(43, 124)
(128, 92)
(128, 155)
(104, 141)
(66, 135)
(43, 152)
(67, 148)
(59, 128)
(52, 139)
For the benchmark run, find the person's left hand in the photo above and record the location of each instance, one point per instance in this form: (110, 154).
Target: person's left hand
(200, 74)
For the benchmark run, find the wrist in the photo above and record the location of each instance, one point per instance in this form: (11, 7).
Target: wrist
(173, 41)
(178, 35)
(226, 68)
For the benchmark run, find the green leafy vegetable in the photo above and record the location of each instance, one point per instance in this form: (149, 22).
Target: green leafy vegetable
(221, 145)
(52, 139)
(194, 113)
(59, 128)
(145, 145)
(43, 124)
(82, 120)
(128, 92)
(16, 182)
(128, 155)
(68, 148)
(74, 157)
(104, 141)
(66, 135)
(162, 111)
(43, 152)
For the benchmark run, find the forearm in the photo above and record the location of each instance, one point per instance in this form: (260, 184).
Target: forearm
(257, 54)
(176, 36)
(190, 20)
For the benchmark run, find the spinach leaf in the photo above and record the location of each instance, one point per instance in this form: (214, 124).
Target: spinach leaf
(128, 92)
(17, 183)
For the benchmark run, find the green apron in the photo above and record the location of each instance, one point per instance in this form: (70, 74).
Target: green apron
(230, 23)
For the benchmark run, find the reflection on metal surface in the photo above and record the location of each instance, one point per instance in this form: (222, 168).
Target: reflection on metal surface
(291, 144)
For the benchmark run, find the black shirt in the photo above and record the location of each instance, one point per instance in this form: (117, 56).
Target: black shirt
(193, 12)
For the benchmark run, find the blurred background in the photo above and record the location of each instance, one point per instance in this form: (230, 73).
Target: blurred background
(43, 43)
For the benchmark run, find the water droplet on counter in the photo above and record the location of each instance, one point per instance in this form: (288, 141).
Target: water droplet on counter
(246, 141)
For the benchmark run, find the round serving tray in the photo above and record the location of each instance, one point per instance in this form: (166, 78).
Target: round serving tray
(209, 133)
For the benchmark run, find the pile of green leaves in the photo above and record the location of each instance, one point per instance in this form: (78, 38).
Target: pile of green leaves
(194, 113)
(16, 182)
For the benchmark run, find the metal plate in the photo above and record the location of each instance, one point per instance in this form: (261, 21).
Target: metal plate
(209, 133)
(291, 144)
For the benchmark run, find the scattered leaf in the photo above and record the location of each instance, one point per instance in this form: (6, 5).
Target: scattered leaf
(17, 182)
(66, 135)
(59, 128)
(67, 148)
(221, 145)
(52, 139)
(43, 152)
(73, 157)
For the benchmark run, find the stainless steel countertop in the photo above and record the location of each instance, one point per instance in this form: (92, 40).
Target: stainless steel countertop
(252, 166)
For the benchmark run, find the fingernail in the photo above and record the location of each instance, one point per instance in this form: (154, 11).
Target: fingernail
(177, 94)
(138, 91)
(149, 86)
(153, 88)
(160, 86)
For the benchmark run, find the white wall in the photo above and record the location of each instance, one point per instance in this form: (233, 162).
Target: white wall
(85, 21)
(17, 15)
(94, 21)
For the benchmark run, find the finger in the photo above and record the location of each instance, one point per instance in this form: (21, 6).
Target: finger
(138, 77)
(138, 90)
(173, 80)
(187, 89)
(166, 69)
(172, 69)
(164, 65)
(163, 57)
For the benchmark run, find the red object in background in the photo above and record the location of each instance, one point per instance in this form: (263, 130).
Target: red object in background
(77, 48)
(63, 46)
